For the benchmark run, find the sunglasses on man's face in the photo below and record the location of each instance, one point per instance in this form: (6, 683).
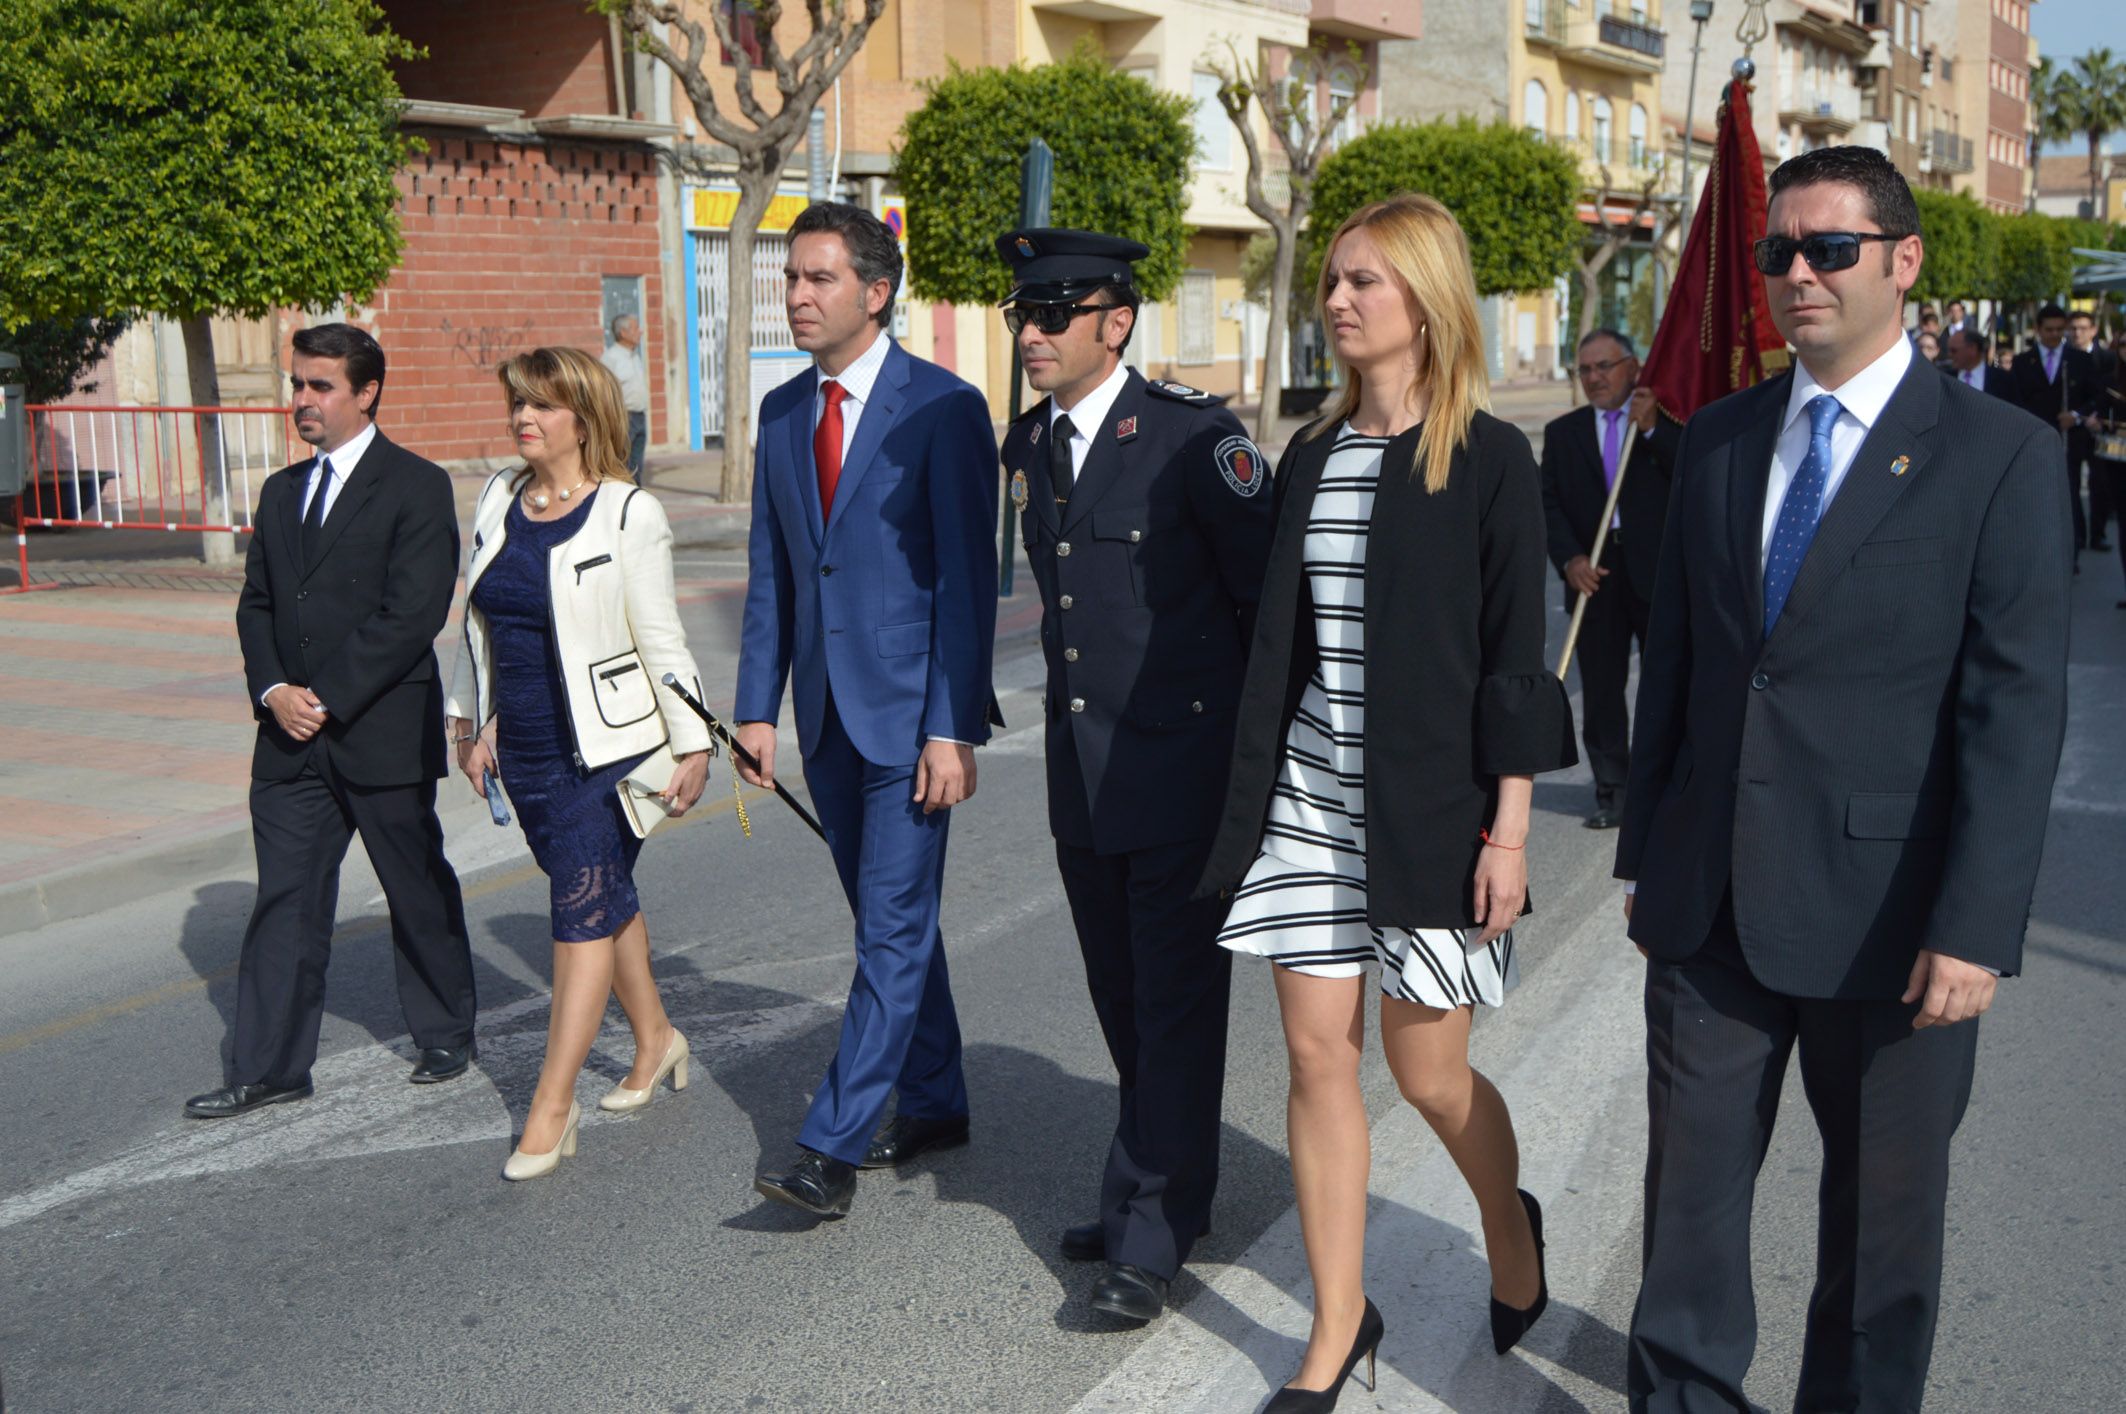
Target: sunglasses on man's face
(1048, 318)
(1825, 251)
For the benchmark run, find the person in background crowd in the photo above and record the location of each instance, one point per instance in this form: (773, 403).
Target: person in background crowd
(2107, 463)
(1850, 713)
(1406, 573)
(346, 585)
(623, 359)
(1928, 347)
(570, 627)
(1967, 365)
(2057, 383)
(1581, 453)
(2081, 328)
(1953, 320)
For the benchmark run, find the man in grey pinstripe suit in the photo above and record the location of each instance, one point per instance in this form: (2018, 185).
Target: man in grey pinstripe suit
(1852, 696)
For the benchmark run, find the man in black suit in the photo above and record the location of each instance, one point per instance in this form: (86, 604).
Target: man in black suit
(2081, 443)
(1850, 712)
(2057, 382)
(354, 556)
(1968, 366)
(1581, 453)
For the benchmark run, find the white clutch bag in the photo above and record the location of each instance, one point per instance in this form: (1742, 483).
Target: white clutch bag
(641, 791)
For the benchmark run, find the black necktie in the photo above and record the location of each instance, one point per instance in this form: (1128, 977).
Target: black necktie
(1060, 471)
(314, 516)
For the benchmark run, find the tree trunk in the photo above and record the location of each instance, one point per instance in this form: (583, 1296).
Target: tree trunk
(2096, 181)
(216, 547)
(756, 187)
(1273, 342)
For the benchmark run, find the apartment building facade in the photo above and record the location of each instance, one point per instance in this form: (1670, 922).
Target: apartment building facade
(1583, 73)
(1991, 50)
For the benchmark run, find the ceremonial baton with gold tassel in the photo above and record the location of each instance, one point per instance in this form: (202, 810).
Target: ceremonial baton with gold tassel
(739, 753)
(1594, 556)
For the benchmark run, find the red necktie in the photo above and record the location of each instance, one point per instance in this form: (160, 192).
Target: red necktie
(827, 446)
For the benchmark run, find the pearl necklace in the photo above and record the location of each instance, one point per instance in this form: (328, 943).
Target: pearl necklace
(540, 501)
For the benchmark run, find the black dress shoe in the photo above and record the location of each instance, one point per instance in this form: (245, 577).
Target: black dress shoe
(1085, 1242)
(1604, 818)
(235, 1099)
(441, 1063)
(2100, 545)
(904, 1136)
(1130, 1292)
(816, 1183)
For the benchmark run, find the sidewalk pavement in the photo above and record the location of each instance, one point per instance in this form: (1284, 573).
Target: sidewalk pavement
(126, 766)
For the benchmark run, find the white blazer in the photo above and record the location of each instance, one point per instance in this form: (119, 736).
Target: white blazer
(616, 627)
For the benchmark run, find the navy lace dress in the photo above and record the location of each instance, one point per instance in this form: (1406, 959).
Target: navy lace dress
(571, 816)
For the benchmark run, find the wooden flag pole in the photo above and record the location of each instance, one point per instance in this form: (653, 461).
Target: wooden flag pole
(1594, 556)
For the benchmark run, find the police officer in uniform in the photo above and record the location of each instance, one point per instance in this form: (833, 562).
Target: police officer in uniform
(1146, 514)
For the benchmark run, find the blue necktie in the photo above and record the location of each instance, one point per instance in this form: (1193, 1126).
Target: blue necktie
(1799, 512)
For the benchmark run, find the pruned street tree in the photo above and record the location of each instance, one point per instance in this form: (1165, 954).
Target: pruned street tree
(188, 158)
(1286, 102)
(1647, 209)
(763, 122)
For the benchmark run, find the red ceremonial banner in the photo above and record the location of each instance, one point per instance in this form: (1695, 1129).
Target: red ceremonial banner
(1717, 331)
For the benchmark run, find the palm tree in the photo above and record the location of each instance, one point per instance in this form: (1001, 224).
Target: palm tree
(2099, 93)
(2054, 110)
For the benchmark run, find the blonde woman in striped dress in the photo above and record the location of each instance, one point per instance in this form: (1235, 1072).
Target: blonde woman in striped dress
(1397, 710)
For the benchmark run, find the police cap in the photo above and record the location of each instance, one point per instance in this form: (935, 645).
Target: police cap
(1053, 266)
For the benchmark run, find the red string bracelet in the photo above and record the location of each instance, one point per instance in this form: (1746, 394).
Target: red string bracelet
(1485, 836)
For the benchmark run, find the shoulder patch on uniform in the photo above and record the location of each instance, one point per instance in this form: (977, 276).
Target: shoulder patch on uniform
(1183, 393)
(1018, 489)
(1241, 464)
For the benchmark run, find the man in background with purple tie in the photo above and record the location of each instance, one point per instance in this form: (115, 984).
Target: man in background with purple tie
(1581, 451)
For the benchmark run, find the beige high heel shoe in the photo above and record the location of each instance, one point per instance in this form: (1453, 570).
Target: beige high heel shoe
(522, 1165)
(621, 1099)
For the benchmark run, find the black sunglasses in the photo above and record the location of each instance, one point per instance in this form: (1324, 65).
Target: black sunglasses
(1825, 251)
(1048, 318)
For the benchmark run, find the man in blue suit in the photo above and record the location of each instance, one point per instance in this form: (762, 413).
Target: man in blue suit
(873, 591)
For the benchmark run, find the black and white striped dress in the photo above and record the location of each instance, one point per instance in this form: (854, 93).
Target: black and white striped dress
(1303, 903)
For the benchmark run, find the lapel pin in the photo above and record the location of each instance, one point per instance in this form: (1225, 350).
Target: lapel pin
(1036, 439)
(1125, 429)
(1900, 466)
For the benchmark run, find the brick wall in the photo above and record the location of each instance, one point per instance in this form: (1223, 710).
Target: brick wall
(547, 57)
(505, 246)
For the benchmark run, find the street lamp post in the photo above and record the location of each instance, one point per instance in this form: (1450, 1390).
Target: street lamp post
(1700, 12)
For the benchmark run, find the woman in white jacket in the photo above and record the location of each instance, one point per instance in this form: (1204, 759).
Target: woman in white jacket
(571, 624)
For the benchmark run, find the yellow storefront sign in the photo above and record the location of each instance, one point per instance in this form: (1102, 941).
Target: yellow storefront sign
(711, 209)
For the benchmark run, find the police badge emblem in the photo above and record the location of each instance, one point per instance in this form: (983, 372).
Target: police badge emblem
(1240, 463)
(1018, 489)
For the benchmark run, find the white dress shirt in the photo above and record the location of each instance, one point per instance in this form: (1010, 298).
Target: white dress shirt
(1861, 400)
(857, 381)
(1091, 411)
(344, 458)
(1975, 376)
(626, 365)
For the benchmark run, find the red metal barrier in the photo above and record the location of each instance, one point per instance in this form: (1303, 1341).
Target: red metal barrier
(147, 468)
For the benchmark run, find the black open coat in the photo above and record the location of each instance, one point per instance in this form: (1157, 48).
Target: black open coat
(1457, 693)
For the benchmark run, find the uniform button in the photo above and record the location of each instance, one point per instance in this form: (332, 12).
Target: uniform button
(1077, 704)
(1195, 706)
(302, 594)
(1070, 655)
(306, 640)
(1135, 536)
(825, 570)
(1064, 602)
(1760, 682)
(1063, 547)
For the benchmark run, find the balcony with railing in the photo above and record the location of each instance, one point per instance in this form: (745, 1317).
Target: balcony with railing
(1821, 110)
(1619, 36)
(1366, 20)
(1627, 162)
(1947, 152)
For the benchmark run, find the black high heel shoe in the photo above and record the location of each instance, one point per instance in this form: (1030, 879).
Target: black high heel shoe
(1320, 1401)
(1508, 1323)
